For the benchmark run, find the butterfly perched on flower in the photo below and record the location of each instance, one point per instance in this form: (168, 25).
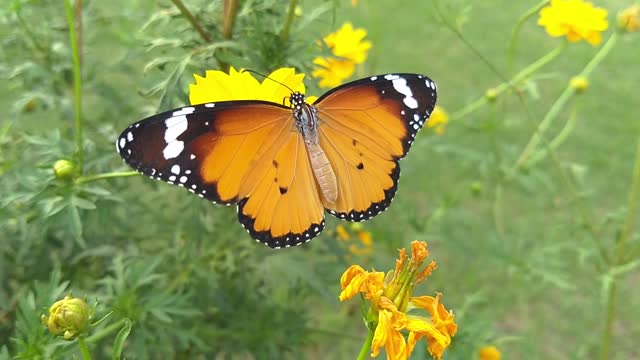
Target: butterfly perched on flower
(284, 165)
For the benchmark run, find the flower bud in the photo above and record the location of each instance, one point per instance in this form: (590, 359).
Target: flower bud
(64, 169)
(491, 94)
(579, 83)
(68, 317)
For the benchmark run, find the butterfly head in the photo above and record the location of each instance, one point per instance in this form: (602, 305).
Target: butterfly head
(297, 100)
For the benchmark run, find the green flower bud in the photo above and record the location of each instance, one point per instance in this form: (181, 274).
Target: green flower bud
(491, 94)
(68, 317)
(64, 169)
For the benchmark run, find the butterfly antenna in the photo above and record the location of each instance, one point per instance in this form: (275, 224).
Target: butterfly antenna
(266, 77)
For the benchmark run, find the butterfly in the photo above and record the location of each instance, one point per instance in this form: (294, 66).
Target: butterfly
(284, 166)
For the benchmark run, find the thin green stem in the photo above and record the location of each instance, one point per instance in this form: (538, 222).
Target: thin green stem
(84, 349)
(85, 179)
(557, 141)
(625, 234)
(516, 31)
(192, 20)
(523, 74)
(559, 104)
(366, 347)
(230, 12)
(291, 14)
(97, 336)
(77, 83)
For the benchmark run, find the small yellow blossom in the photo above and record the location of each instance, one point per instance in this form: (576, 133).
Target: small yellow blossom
(491, 94)
(489, 353)
(342, 233)
(579, 83)
(240, 85)
(64, 169)
(68, 317)
(348, 49)
(391, 303)
(629, 19)
(575, 19)
(438, 120)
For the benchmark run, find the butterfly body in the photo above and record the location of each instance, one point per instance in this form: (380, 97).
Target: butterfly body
(284, 166)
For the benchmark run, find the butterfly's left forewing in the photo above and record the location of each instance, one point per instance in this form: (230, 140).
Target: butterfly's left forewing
(234, 152)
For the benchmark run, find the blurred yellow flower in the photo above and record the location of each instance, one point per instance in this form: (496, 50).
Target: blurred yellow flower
(579, 83)
(438, 120)
(391, 303)
(575, 19)
(629, 18)
(348, 48)
(489, 353)
(238, 85)
(342, 233)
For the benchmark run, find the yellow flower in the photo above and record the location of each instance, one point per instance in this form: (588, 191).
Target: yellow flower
(438, 330)
(575, 19)
(68, 317)
(629, 18)
(390, 303)
(238, 85)
(438, 120)
(489, 353)
(348, 48)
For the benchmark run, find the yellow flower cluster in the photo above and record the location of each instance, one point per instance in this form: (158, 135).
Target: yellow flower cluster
(391, 301)
(575, 19)
(348, 48)
(629, 18)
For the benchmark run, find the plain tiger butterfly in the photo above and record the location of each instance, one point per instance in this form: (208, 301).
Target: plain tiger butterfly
(284, 166)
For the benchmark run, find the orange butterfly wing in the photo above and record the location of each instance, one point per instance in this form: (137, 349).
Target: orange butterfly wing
(244, 152)
(365, 128)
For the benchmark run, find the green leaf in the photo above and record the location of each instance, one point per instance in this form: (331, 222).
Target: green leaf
(118, 344)
(76, 226)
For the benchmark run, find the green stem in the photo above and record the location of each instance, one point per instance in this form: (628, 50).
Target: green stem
(85, 179)
(77, 83)
(192, 20)
(557, 141)
(97, 336)
(230, 12)
(366, 347)
(632, 206)
(84, 349)
(523, 74)
(561, 102)
(291, 14)
(516, 31)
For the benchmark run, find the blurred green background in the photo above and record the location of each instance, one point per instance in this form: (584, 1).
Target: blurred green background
(518, 260)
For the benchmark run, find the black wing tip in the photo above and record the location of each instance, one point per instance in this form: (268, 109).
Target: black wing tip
(277, 242)
(375, 208)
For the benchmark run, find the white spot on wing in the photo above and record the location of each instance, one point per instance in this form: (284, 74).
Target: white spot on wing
(183, 179)
(374, 78)
(173, 149)
(391, 77)
(175, 126)
(401, 86)
(123, 142)
(129, 136)
(209, 105)
(184, 111)
(175, 169)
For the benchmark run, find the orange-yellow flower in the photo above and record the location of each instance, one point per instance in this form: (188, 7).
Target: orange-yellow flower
(348, 49)
(489, 353)
(391, 303)
(575, 19)
(238, 85)
(629, 18)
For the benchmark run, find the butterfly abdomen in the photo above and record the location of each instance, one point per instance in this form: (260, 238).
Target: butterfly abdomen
(323, 172)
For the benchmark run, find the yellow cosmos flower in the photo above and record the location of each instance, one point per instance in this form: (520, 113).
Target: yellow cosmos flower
(438, 120)
(218, 86)
(348, 48)
(575, 19)
(391, 303)
(629, 19)
(68, 317)
(489, 353)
